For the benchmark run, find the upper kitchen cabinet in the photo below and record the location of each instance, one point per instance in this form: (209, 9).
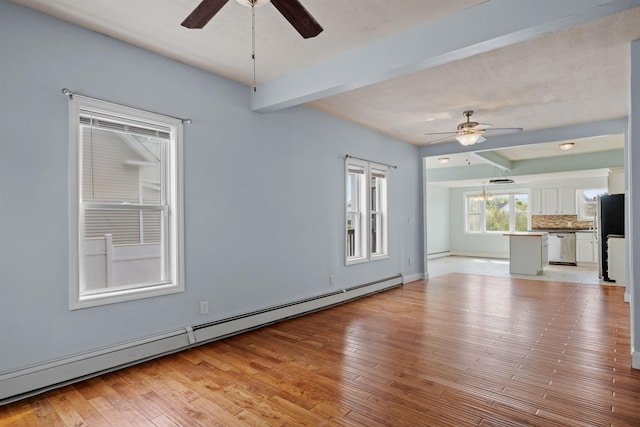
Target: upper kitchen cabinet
(553, 201)
(536, 201)
(616, 181)
(550, 201)
(567, 201)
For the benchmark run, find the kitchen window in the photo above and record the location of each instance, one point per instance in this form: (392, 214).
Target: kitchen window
(496, 213)
(126, 204)
(366, 211)
(588, 203)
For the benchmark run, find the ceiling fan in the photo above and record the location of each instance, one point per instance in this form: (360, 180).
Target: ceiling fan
(469, 133)
(292, 10)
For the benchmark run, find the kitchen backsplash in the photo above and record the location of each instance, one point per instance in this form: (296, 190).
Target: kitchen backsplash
(548, 222)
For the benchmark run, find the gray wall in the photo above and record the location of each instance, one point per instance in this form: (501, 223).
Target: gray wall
(264, 193)
(438, 219)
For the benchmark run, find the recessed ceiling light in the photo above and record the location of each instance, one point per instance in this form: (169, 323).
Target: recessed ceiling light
(443, 160)
(567, 145)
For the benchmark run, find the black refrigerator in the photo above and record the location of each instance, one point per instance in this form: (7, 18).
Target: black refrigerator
(610, 221)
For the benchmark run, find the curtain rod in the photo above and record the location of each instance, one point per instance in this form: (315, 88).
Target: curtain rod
(70, 94)
(372, 161)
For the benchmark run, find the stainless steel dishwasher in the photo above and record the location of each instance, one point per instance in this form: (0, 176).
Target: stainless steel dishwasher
(562, 248)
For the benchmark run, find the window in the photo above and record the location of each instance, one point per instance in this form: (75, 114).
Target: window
(588, 203)
(521, 212)
(366, 211)
(356, 219)
(497, 209)
(487, 213)
(126, 204)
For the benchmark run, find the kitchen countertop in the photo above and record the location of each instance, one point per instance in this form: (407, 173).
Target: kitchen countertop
(527, 233)
(564, 230)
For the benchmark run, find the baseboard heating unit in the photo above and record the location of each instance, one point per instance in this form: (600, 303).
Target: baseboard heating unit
(33, 380)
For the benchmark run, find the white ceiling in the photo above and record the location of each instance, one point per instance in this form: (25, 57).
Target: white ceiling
(556, 74)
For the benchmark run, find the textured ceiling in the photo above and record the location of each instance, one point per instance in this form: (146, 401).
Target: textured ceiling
(575, 75)
(223, 46)
(570, 77)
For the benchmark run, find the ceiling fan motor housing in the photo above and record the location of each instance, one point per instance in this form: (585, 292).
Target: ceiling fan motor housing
(256, 3)
(467, 127)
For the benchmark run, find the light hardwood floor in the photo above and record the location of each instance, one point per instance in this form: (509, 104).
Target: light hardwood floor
(457, 350)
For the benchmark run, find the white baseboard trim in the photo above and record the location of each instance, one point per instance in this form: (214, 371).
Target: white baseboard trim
(635, 360)
(439, 255)
(480, 254)
(22, 383)
(413, 278)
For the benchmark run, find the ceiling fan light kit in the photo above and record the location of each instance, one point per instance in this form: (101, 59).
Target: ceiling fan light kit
(567, 146)
(467, 139)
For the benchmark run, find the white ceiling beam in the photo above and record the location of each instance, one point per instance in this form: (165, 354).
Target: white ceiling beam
(485, 27)
(494, 159)
(583, 130)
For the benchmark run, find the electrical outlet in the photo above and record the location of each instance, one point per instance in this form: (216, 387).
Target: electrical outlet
(332, 279)
(204, 307)
(409, 260)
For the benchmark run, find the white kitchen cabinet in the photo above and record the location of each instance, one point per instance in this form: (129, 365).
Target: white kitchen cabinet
(567, 201)
(586, 247)
(553, 201)
(528, 252)
(536, 201)
(616, 181)
(617, 262)
(550, 201)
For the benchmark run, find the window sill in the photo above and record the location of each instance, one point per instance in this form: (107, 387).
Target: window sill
(356, 261)
(87, 301)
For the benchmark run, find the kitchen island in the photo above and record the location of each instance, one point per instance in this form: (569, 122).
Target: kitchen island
(528, 252)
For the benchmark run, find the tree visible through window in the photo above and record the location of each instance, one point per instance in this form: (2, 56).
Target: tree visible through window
(497, 213)
(486, 213)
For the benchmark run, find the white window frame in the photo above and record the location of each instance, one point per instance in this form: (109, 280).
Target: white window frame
(580, 202)
(380, 200)
(171, 206)
(361, 212)
(483, 212)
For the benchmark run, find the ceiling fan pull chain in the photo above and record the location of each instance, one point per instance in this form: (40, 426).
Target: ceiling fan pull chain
(253, 40)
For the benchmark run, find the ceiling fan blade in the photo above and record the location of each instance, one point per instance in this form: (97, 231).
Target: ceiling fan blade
(444, 139)
(442, 133)
(202, 14)
(494, 131)
(299, 17)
